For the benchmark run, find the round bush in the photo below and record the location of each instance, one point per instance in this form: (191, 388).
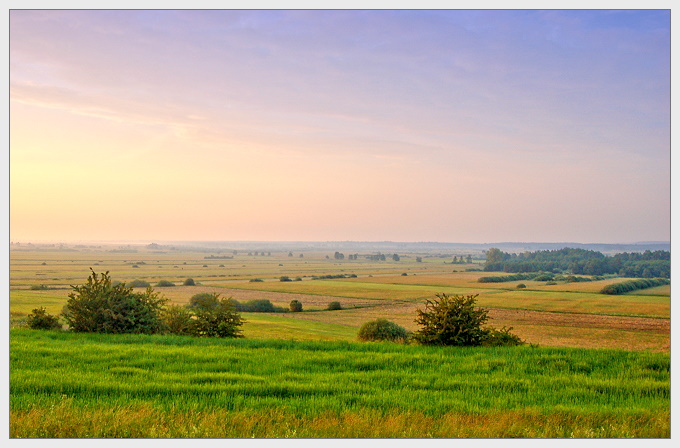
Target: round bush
(295, 306)
(382, 330)
(139, 284)
(189, 282)
(39, 319)
(521, 286)
(333, 306)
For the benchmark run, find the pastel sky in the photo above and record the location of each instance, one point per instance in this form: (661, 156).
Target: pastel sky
(451, 126)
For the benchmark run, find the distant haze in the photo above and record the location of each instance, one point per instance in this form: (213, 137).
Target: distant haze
(451, 126)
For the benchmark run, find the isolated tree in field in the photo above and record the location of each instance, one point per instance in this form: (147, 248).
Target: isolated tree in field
(295, 306)
(189, 282)
(100, 307)
(455, 320)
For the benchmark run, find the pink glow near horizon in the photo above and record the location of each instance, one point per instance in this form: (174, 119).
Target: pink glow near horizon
(461, 126)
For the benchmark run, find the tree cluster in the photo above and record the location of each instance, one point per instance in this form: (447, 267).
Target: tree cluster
(647, 264)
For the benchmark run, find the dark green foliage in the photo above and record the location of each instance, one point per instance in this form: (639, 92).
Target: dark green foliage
(257, 306)
(164, 283)
(502, 337)
(39, 319)
(39, 288)
(632, 285)
(404, 274)
(334, 306)
(505, 278)
(544, 277)
(207, 315)
(189, 282)
(139, 284)
(203, 301)
(395, 257)
(298, 279)
(178, 320)
(455, 320)
(646, 264)
(521, 286)
(100, 307)
(222, 321)
(285, 278)
(295, 306)
(253, 280)
(382, 330)
(333, 276)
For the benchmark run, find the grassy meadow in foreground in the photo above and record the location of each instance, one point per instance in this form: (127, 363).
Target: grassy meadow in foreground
(84, 385)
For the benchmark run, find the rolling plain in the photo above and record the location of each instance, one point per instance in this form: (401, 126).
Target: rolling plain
(594, 365)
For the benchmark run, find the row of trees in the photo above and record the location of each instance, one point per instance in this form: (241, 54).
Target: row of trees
(647, 264)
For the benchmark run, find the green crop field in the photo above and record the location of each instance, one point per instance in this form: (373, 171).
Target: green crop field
(594, 365)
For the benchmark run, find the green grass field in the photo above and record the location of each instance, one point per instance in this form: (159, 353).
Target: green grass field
(597, 367)
(84, 385)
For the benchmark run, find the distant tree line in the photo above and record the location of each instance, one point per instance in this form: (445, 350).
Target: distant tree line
(648, 264)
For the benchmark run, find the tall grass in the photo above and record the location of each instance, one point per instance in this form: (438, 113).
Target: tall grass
(79, 385)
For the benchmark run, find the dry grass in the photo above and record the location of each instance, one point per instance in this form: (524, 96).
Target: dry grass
(143, 421)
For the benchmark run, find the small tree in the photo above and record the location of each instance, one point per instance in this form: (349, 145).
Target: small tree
(295, 306)
(39, 319)
(177, 319)
(451, 321)
(456, 321)
(100, 307)
(189, 282)
(164, 283)
(203, 301)
(382, 330)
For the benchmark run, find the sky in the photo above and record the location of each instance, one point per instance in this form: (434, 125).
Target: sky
(337, 125)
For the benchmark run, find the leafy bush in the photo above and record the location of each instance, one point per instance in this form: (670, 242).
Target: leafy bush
(285, 278)
(39, 319)
(100, 307)
(164, 283)
(139, 284)
(454, 320)
(502, 337)
(258, 306)
(295, 306)
(334, 306)
(177, 319)
(222, 321)
(189, 282)
(203, 301)
(382, 330)
(521, 286)
(252, 280)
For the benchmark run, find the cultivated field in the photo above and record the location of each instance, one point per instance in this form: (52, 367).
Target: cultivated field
(597, 365)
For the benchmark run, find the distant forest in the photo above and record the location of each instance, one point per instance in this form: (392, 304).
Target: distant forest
(647, 264)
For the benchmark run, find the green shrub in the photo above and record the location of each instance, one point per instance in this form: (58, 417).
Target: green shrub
(502, 337)
(334, 306)
(521, 286)
(189, 282)
(39, 319)
(285, 278)
(259, 306)
(455, 320)
(382, 330)
(295, 306)
(203, 301)
(222, 321)
(253, 280)
(177, 319)
(39, 288)
(100, 307)
(164, 283)
(632, 285)
(138, 284)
